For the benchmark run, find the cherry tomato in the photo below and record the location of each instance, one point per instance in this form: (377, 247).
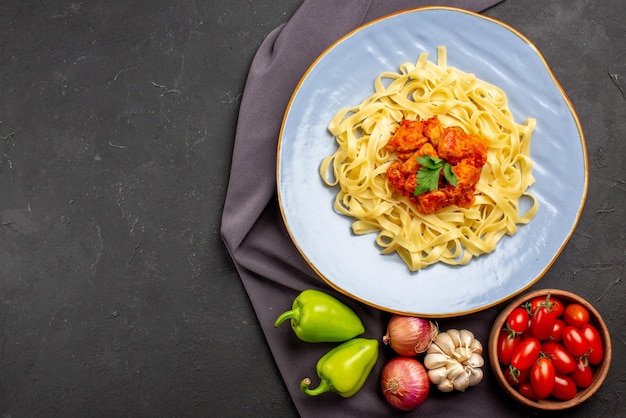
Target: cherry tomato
(557, 306)
(527, 333)
(515, 378)
(576, 315)
(557, 330)
(506, 346)
(525, 354)
(542, 377)
(594, 340)
(517, 321)
(526, 390)
(574, 341)
(583, 375)
(564, 387)
(548, 301)
(542, 323)
(562, 360)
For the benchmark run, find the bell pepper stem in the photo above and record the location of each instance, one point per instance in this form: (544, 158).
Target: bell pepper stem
(322, 388)
(284, 316)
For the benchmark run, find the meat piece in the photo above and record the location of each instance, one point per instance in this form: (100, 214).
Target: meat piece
(395, 177)
(433, 130)
(466, 174)
(411, 165)
(408, 137)
(465, 198)
(431, 202)
(456, 145)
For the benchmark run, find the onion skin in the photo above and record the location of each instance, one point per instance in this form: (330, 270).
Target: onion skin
(404, 383)
(408, 336)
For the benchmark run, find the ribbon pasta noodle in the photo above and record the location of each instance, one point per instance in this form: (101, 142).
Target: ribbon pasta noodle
(358, 167)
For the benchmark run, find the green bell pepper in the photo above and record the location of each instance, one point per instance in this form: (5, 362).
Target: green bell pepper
(318, 317)
(345, 368)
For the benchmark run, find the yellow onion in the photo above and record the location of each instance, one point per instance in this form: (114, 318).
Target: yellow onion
(409, 336)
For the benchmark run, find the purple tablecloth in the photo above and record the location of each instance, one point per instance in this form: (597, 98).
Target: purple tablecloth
(272, 270)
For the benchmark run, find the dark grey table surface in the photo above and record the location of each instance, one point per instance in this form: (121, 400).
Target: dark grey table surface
(117, 122)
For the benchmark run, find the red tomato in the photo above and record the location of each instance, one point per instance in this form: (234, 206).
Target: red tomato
(557, 330)
(562, 360)
(594, 340)
(534, 303)
(583, 375)
(526, 390)
(526, 353)
(506, 346)
(514, 378)
(574, 341)
(576, 315)
(557, 306)
(517, 321)
(549, 302)
(542, 377)
(542, 323)
(527, 333)
(564, 387)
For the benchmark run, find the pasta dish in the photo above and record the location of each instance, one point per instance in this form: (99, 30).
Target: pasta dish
(370, 165)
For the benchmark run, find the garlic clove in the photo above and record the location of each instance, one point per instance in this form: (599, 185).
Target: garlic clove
(475, 361)
(434, 348)
(462, 381)
(455, 335)
(476, 375)
(455, 369)
(467, 337)
(476, 346)
(445, 342)
(435, 360)
(446, 386)
(438, 376)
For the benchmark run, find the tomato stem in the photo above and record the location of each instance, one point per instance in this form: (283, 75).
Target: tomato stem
(514, 373)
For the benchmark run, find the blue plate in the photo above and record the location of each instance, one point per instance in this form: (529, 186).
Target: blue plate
(343, 76)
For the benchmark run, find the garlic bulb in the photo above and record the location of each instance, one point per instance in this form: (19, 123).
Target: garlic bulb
(454, 360)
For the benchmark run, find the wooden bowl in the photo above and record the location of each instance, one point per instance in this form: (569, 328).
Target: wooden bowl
(551, 404)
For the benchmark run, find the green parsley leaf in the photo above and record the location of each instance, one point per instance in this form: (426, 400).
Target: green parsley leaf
(449, 175)
(430, 162)
(429, 173)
